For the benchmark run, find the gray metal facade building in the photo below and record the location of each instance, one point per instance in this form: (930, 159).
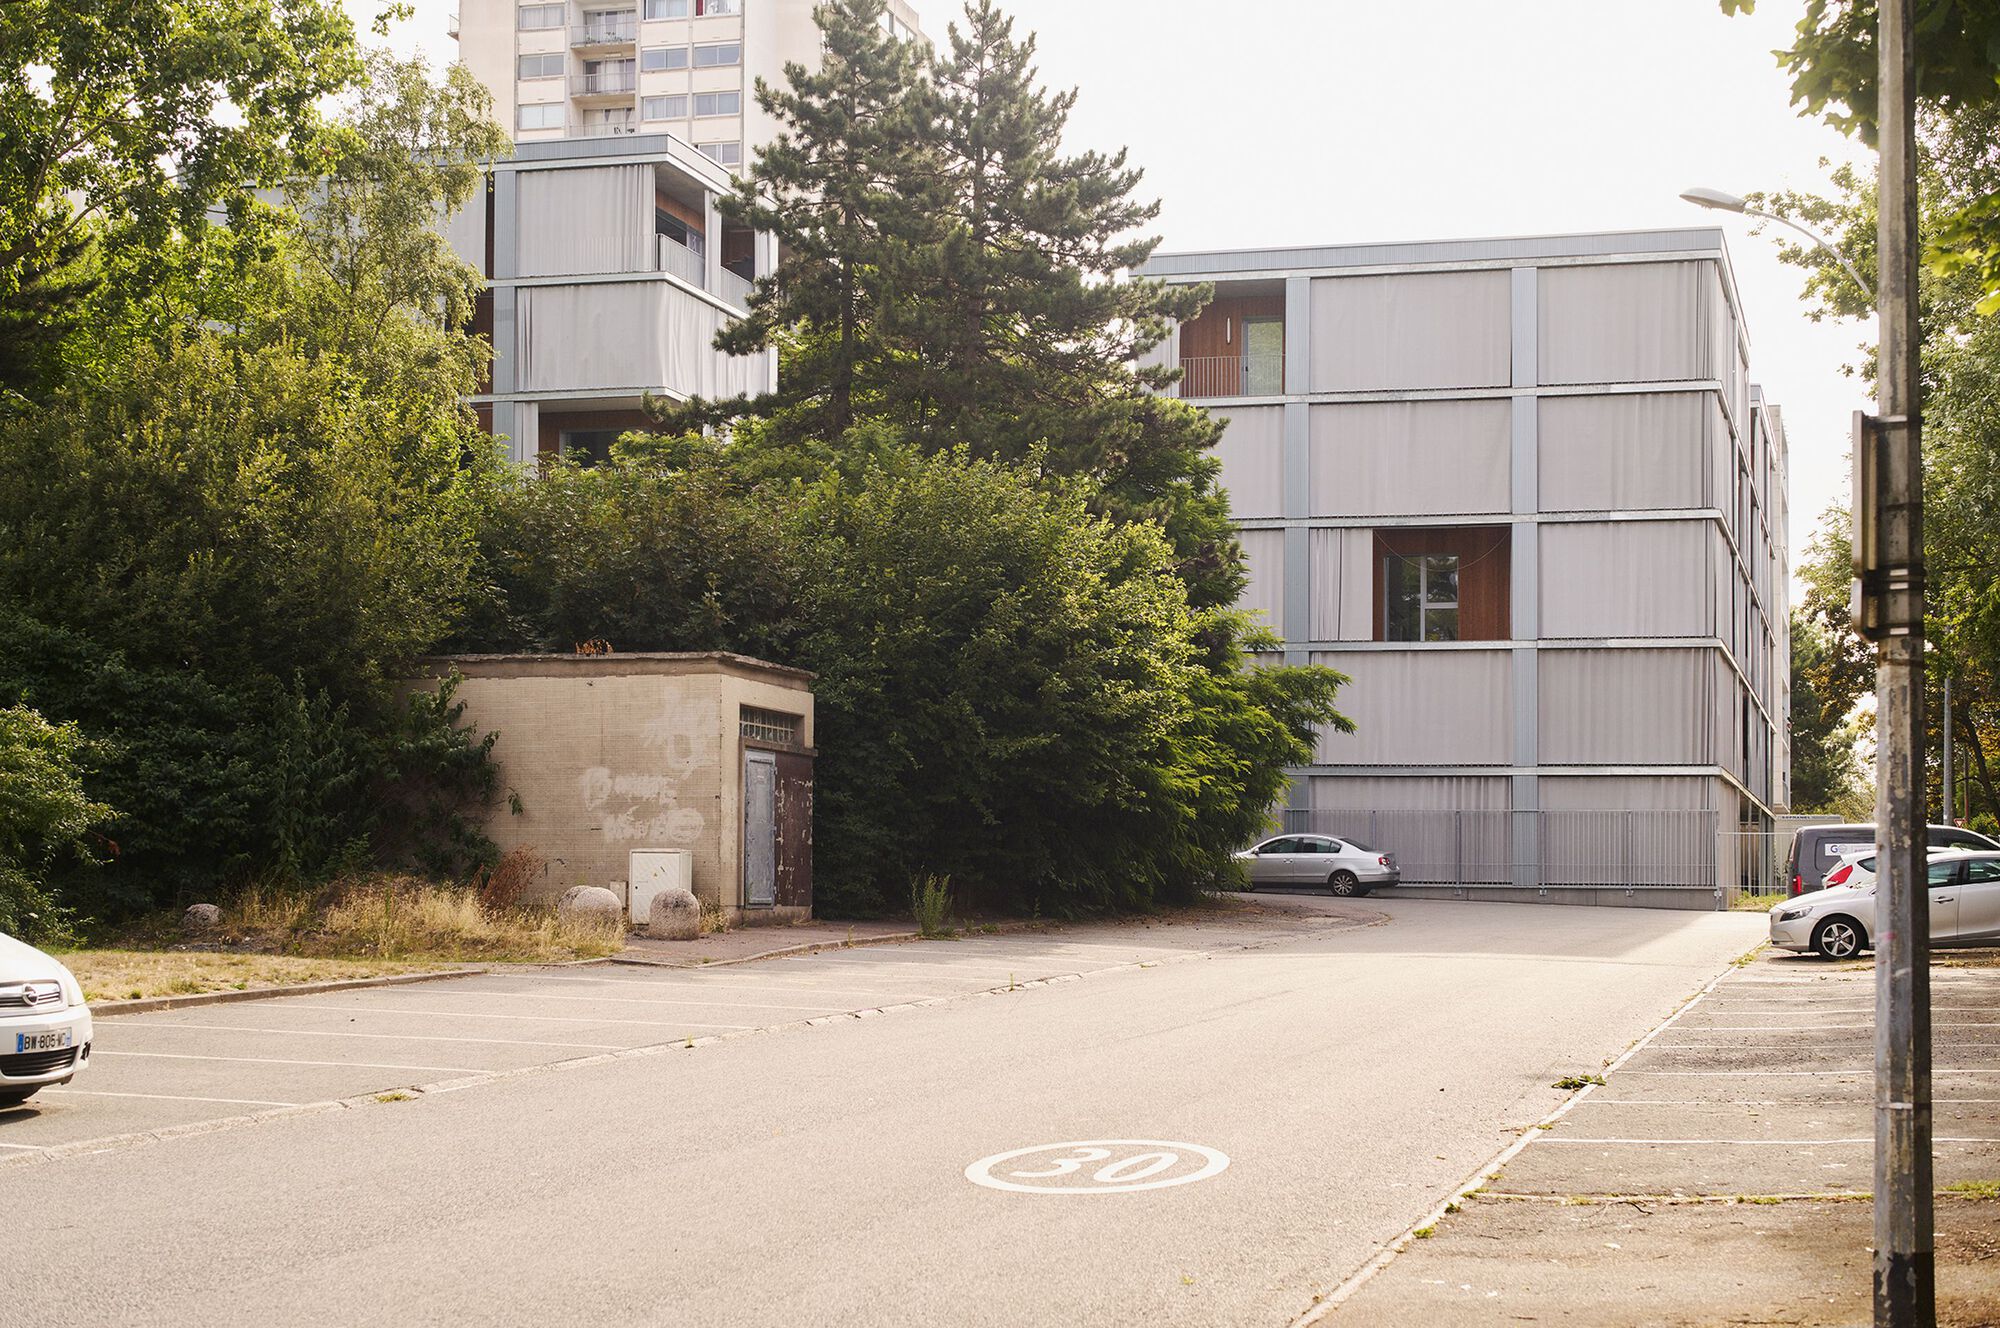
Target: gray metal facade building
(1524, 494)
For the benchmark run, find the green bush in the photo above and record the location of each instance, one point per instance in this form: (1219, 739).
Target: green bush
(44, 815)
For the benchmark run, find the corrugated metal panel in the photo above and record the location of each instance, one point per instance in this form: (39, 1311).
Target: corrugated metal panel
(1673, 793)
(1414, 792)
(1623, 452)
(1264, 551)
(1624, 578)
(1422, 707)
(1412, 458)
(1412, 330)
(1252, 452)
(1443, 830)
(595, 219)
(465, 229)
(1629, 707)
(1343, 584)
(1625, 323)
(1399, 253)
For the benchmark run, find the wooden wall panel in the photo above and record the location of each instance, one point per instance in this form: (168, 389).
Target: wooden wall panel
(1485, 594)
(1202, 336)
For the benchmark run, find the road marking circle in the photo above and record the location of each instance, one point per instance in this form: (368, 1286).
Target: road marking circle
(1097, 1166)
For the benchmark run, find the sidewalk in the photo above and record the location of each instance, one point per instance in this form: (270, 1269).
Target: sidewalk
(1721, 1174)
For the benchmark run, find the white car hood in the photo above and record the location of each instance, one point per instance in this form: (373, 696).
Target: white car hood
(21, 962)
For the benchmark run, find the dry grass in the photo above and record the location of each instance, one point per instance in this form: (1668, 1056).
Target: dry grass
(1756, 903)
(355, 929)
(123, 975)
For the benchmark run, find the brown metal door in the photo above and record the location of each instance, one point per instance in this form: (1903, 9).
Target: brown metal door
(795, 830)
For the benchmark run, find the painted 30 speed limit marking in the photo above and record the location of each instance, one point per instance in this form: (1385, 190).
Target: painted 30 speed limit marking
(1097, 1166)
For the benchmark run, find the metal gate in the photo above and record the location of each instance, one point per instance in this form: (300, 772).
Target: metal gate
(760, 829)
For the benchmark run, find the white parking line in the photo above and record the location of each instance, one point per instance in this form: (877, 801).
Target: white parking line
(1811, 1028)
(821, 1008)
(26, 1148)
(690, 981)
(391, 1037)
(1749, 1143)
(172, 1097)
(538, 1018)
(1782, 1074)
(267, 1060)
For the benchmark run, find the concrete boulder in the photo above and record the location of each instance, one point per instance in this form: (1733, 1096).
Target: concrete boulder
(589, 903)
(675, 916)
(201, 919)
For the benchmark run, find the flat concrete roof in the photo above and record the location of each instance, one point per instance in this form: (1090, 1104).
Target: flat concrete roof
(618, 663)
(1396, 253)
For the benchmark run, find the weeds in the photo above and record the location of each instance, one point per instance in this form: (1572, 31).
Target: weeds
(930, 901)
(1569, 1083)
(714, 922)
(1425, 1233)
(1757, 903)
(1976, 1189)
(397, 1096)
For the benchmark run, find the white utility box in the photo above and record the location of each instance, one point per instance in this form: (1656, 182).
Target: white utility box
(651, 871)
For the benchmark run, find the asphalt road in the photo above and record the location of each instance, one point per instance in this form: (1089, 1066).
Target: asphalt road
(816, 1174)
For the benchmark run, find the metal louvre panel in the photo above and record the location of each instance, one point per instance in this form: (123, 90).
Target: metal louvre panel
(1625, 578)
(465, 229)
(1264, 552)
(1624, 452)
(1444, 830)
(627, 335)
(1252, 453)
(585, 220)
(1341, 567)
(1412, 330)
(1626, 323)
(1629, 707)
(1422, 707)
(1412, 458)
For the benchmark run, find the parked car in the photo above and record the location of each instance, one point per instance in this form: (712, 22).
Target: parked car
(1344, 866)
(1857, 870)
(1817, 849)
(1839, 920)
(44, 1024)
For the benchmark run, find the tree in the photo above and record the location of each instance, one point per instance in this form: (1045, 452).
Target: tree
(1834, 69)
(1825, 772)
(44, 812)
(125, 125)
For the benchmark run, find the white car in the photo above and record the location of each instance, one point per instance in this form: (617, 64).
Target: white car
(1857, 870)
(1344, 866)
(1838, 921)
(44, 1024)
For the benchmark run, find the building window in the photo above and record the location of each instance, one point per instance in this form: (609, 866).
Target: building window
(710, 8)
(721, 53)
(548, 115)
(588, 447)
(535, 18)
(663, 57)
(664, 108)
(771, 726)
(541, 66)
(1421, 601)
(666, 8)
(667, 224)
(723, 154)
(718, 103)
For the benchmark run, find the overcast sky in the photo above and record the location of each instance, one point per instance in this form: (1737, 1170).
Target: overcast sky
(1330, 121)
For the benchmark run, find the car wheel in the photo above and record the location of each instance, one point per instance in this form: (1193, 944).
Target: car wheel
(14, 1097)
(1344, 884)
(1839, 938)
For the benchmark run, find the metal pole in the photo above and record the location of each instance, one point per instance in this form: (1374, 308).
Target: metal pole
(1948, 799)
(1905, 1258)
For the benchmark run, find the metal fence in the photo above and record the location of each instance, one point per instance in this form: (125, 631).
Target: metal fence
(1631, 850)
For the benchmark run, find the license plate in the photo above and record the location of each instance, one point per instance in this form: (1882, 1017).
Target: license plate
(53, 1040)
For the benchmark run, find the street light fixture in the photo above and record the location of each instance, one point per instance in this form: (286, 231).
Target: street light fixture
(1721, 202)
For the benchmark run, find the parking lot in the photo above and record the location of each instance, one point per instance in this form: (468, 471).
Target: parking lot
(188, 1069)
(1729, 1158)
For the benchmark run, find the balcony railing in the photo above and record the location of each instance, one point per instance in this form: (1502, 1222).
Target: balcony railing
(1232, 375)
(732, 288)
(680, 260)
(602, 130)
(608, 83)
(621, 30)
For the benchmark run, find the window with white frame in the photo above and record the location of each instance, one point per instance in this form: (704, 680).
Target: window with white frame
(709, 8)
(718, 54)
(541, 66)
(656, 58)
(666, 8)
(535, 18)
(663, 108)
(718, 103)
(1420, 597)
(547, 115)
(723, 154)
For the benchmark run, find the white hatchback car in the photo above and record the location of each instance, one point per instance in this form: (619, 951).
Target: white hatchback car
(1344, 866)
(44, 1024)
(1837, 921)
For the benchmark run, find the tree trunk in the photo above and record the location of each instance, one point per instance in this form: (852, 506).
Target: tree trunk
(1984, 775)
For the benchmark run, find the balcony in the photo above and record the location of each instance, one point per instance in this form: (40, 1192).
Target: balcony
(1232, 375)
(603, 130)
(606, 83)
(605, 30)
(681, 261)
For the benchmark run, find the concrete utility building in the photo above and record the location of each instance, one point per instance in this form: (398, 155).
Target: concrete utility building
(1524, 494)
(604, 755)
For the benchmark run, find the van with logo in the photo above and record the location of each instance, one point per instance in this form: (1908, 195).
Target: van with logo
(1818, 849)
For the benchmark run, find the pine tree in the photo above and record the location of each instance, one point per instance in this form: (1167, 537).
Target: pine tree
(836, 190)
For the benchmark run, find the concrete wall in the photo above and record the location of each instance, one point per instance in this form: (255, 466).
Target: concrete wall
(606, 754)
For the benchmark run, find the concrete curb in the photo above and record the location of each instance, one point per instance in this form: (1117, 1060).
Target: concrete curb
(815, 947)
(148, 1004)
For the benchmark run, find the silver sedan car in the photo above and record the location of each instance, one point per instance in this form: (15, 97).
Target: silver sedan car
(1839, 921)
(1344, 866)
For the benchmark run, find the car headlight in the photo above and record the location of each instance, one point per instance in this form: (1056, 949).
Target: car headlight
(72, 989)
(1789, 914)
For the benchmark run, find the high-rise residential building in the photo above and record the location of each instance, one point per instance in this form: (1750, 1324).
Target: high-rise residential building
(1523, 493)
(591, 68)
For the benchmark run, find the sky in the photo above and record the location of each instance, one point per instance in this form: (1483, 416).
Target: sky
(1337, 121)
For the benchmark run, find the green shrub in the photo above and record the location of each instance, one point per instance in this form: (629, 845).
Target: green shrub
(44, 815)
